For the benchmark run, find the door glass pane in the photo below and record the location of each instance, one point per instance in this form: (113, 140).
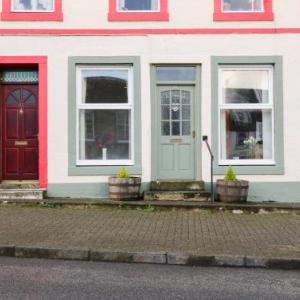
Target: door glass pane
(128, 5)
(175, 128)
(104, 135)
(165, 128)
(186, 128)
(105, 86)
(245, 86)
(186, 112)
(165, 112)
(242, 5)
(176, 73)
(186, 97)
(33, 5)
(246, 134)
(175, 112)
(165, 97)
(175, 96)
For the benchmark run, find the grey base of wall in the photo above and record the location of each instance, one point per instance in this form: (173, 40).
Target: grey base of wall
(259, 191)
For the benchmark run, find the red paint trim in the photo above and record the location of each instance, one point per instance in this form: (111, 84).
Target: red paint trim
(158, 31)
(162, 15)
(41, 61)
(8, 15)
(267, 15)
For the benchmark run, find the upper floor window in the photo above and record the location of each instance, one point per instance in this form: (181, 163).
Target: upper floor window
(138, 10)
(138, 5)
(32, 10)
(33, 5)
(243, 10)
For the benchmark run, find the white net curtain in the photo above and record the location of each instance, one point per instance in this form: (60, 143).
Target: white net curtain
(33, 5)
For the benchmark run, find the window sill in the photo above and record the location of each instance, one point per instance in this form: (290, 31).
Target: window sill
(103, 170)
(31, 16)
(138, 16)
(266, 16)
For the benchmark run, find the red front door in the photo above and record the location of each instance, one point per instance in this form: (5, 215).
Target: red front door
(20, 132)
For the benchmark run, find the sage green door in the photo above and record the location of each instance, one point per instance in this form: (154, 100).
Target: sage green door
(176, 135)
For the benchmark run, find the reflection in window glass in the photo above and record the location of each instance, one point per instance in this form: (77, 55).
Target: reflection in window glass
(246, 134)
(104, 135)
(105, 86)
(176, 73)
(242, 5)
(245, 86)
(33, 5)
(142, 5)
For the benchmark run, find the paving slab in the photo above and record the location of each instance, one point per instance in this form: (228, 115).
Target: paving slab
(191, 237)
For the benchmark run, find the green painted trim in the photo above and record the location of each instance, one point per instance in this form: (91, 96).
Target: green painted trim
(276, 61)
(154, 126)
(259, 191)
(83, 190)
(73, 169)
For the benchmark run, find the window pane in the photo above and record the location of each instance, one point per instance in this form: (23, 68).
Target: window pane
(246, 134)
(104, 135)
(245, 86)
(105, 86)
(33, 5)
(126, 5)
(243, 5)
(176, 73)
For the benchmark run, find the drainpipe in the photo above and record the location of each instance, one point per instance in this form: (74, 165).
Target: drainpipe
(205, 140)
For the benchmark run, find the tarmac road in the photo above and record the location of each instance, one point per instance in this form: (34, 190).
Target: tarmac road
(56, 279)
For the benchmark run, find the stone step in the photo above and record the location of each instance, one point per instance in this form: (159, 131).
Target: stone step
(177, 185)
(200, 196)
(17, 194)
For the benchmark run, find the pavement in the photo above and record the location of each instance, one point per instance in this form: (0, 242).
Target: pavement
(201, 237)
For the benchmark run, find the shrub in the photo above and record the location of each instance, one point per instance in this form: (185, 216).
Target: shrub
(123, 173)
(230, 176)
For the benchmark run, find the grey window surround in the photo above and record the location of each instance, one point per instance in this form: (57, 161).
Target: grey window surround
(276, 62)
(75, 61)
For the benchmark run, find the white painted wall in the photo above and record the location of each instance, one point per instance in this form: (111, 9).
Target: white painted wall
(183, 14)
(160, 49)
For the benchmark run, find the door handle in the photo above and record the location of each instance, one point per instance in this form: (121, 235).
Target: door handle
(194, 134)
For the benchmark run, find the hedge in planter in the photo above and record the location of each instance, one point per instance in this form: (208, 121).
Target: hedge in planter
(230, 189)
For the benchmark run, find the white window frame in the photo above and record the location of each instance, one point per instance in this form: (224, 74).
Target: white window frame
(80, 105)
(32, 10)
(243, 11)
(245, 106)
(137, 11)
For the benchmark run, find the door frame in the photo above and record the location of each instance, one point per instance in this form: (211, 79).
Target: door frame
(197, 112)
(41, 63)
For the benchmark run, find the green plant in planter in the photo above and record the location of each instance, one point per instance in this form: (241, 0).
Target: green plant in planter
(230, 175)
(124, 187)
(230, 189)
(123, 173)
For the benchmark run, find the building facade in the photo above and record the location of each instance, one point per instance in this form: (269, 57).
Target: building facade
(88, 88)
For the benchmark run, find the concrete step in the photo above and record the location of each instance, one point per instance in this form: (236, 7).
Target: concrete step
(17, 194)
(199, 196)
(177, 185)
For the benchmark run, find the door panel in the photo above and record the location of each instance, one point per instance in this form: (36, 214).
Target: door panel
(175, 132)
(20, 131)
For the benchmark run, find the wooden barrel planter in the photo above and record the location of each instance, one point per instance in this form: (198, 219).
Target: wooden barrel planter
(232, 191)
(124, 188)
